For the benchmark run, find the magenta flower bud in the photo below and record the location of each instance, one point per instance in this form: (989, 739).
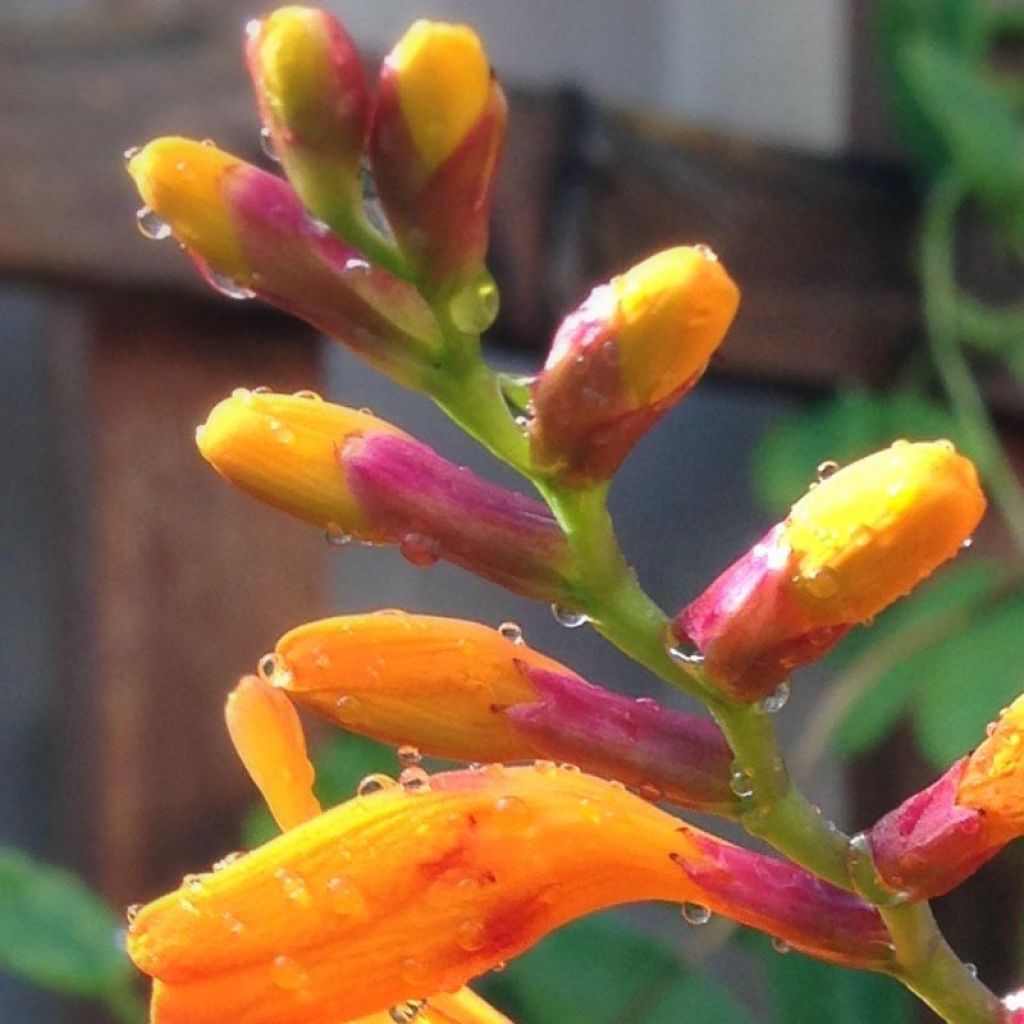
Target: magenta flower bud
(931, 843)
(250, 235)
(809, 914)
(435, 509)
(683, 758)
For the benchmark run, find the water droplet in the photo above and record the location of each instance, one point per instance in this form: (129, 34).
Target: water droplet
(826, 469)
(567, 617)
(512, 632)
(294, 887)
(282, 434)
(409, 756)
(287, 973)
(227, 860)
(972, 969)
(308, 396)
(336, 536)
(420, 551)
(741, 784)
(781, 946)
(268, 668)
(131, 153)
(357, 265)
(252, 28)
(267, 145)
(471, 936)
(414, 779)
(968, 541)
(232, 923)
(348, 709)
(151, 225)
(512, 808)
(372, 206)
(695, 913)
(345, 897)
(648, 702)
(132, 912)
(406, 1011)
(650, 792)
(194, 883)
(774, 702)
(474, 307)
(375, 783)
(821, 584)
(686, 654)
(226, 285)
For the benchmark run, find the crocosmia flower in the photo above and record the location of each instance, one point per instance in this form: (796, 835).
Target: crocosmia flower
(403, 892)
(630, 352)
(856, 542)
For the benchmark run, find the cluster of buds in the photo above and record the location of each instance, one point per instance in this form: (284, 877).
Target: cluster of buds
(399, 897)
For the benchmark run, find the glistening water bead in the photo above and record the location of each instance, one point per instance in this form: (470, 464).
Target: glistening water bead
(474, 307)
(775, 701)
(151, 225)
(267, 145)
(512, 632)
(695, 914)
(567, 617)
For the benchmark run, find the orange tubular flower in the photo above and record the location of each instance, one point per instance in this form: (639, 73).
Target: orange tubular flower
(464, 691)
(399, 893)
(942, 835)
(626, 356)
(435, 142)
(849, 548)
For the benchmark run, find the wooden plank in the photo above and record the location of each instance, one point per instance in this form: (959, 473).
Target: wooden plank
(190, 582)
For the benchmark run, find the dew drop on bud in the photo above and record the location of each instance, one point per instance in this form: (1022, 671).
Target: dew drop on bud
(151, 225)
(131, 153)
(707, 252)
(355, 265)
(968, 541)
(781, 946)
(474, 307)
(686, 654)
(567, 617)
(267, 145)
(775, 701)
(226, 285)
(695, 914)
(420, 551)
(826, 469)
(336, 536)
(512, 632)
(414, 779)
(132, 912)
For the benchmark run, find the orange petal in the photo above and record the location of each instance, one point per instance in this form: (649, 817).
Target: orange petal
(401, 893)
(268, 736)
(282, 449)
(436, 682)
(993, 778)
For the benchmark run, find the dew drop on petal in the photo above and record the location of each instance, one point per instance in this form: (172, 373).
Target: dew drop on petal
(474, 307)
(420, 551)
(414, 779)
(741, 784)
(336, 536)
(826, 469)
(132, 912)
(287, 973)
(471, 936)
(407, 1011)
(781, 946)
(695, 913)
(409, 756)
(375, 783)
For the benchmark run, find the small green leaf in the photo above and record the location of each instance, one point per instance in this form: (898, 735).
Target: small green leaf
(973, 674)
(982, 133)
(847, 427)
(56, 933)
(602, 971)
(806, 991)
(902, 648)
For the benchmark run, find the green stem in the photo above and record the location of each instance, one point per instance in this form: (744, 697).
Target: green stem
(933, 972)
(939, 285)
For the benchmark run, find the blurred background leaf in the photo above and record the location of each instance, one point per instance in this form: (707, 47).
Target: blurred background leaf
(59, 935)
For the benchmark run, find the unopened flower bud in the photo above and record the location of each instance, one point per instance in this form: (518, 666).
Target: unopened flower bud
(854, 544)
(315, 103)
(623, 358)
(437, 134)
(434, 509)
(251, 235)
(281, 449)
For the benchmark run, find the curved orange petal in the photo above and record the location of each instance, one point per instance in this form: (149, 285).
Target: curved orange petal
(401, 893)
